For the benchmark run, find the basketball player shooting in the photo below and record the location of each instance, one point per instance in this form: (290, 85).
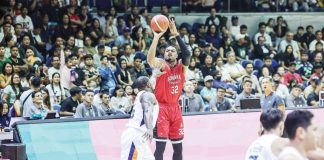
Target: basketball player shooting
(167, 92)
(140, 126)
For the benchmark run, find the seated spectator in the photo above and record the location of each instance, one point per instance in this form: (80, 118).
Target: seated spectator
(262, 50)
(235, 28)
(225, 48)
(318, 59)
(96, 31)
(190, 101)
(207, 48)
(11, 91)
(233, 68)
(313, 82)
(313, 97)
(296, 99)
(286, 57)
(46, 99)
(183, 33)
(220, 102)
(304, 67)
(138, 68)
(69, 105)
(213, 38)
(86, 109)
(300, 5)
(280, 29)
(280, 89)
(267, 61)
(318, 38)
(30, 57)
(55, 67)
(26, 100)
(198, 57)
(317, 70)
(4, 116)
(193, 72)
(138, 39)
(308, 37)
(79, 37)
(70, 43)
(91, 75)
(220, 67)
(88, 46)
(19, 64)
(25, 20)
(249, 73)
(26, 44)
(267, 42)
(105, 104)
(3, 57)
(124, 77)
(282, 48)
(213, 19)
(128, 55)
(264, 6)
(208, 68)
(201, 34)
(37, 110)
(241, 48)
(246, 94)
(5, 76)
(192, 42)
(56, 90)
(298, 37)
(123, 39)
(269, 99)
(270, 28)
(130, 93)
(314, 55)
(207, 93)
(120, 101)
(218, 82)
(108, 78)
(292, 75)
(110, 29)
(197, 88)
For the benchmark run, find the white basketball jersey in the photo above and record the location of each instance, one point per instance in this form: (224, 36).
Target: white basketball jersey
(260, 149)
(291, 151)
(137, 116)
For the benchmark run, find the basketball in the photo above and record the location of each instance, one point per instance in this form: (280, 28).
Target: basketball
(159, 23)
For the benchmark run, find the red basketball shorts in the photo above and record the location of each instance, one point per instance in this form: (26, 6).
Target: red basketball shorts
(169, 124)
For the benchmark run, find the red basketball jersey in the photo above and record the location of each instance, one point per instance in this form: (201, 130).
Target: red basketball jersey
(169, 86)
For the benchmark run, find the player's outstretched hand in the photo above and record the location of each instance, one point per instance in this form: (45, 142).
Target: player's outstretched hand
(158, 35)
(173, 27)
(148, 135)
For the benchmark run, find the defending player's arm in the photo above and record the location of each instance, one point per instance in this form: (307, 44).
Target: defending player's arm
(151, 59)
(148, 101)
(185, 54)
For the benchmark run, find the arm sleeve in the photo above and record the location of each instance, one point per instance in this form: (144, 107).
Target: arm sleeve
(78, 112)
(185, 54)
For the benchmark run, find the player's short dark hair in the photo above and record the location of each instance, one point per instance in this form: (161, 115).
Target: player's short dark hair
(75, 90)
(295, 119)
(141, 82)
(271, 118)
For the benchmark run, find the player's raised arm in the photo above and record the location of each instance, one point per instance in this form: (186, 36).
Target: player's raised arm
(185, 54)
(148, 101)
(151, 59)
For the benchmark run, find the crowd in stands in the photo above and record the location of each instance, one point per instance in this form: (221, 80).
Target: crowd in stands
(61, 57)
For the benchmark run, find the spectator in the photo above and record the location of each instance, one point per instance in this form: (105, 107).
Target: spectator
(255, 82)
(207, 93)
(75, 19)
(3, 58)
(300, 5)
(96, 31)
(5, 76)
(317, 70)
(292, 75)
(220, 102)
(313, 97)
(128, 55)
(110, 29)
(105, 104)
(87, 109)
(208, 68)
(19, 64)
(193, 71)
(318, 38)
(183, 33)
(233, 68)
(26, 44)
(318, 50)
(197, 88)
(304, 67)
(298, 37)
(220, 67)
(79, 39)
(308, 37)
(31, 58)
(269, 99)
(97, 57)
(318, 59)
(46, 99)
(235, 28)
(70, 43)
(207, 49)
(65, 29)
(286, 57)
(138, 69)
(201, 34)
(91, 75)
(120, 101)
(123, 39)
(267, 42)
(190, 101)
(53, 11)
(313, 82)
(261, 50)
(124, 77)
(280, 74)
(4, 115)
(246, 94)
(213, 38)
(241, 48)
(88, 46)
(289, 41)
(270, 28)
(165, 10)
(267, 61)
(56, 90)
(108, 79)
(213, 19)
(192, 42)
(37, 110)
(69, 105)
(25, 20)
(12, 90)
(26, 99)
(129, 92)
(280, 29)
(55, 66)
(280, 89)
(296, 99)
(225, 48)
(198, 57)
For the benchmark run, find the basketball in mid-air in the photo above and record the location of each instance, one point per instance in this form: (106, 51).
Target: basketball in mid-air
(159, 23)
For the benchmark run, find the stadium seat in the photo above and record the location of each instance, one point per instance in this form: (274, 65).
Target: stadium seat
(274, 64)
(258, 63)
(244, 62)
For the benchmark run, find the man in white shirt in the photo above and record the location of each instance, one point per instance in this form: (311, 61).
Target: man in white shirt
(55, 68)
(289, 41)
(302, 135)
(235, 28)
(319, 36)
(272, 122)
(262, 27)
(233, 68)
(25, 20)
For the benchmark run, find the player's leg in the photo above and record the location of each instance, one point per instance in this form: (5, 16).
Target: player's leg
(126, 144)
(161, 132)
(177, 133)
(142, 148)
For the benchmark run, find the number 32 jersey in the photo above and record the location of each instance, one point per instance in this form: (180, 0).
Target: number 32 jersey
(169, 86)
